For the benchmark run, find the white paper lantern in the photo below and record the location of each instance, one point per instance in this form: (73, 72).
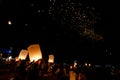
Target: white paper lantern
(23, 54)
(34, 52)
(75, 63)
(51, 58)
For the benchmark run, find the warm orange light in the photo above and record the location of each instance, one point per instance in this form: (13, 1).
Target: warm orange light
(9, 22)
(34, 52)
(51, 58)
(17, 59)
(75, 64)
(23, 54)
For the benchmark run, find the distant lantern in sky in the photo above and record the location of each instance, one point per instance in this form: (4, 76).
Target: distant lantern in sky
(9, 22)
(51, 58)
(34, 52)
(23, 54)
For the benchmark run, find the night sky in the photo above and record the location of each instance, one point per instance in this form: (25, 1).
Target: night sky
(81, 29)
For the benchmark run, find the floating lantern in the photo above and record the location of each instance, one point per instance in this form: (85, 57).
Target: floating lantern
(51, 58)
(23, 54)
(34, 52)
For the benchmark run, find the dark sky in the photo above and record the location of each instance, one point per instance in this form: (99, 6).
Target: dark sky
(28, 27)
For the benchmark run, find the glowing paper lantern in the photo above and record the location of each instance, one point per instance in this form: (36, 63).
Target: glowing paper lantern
(75, 63)
(16, 59)
(23, 54)
(51, 58)
(34, 52)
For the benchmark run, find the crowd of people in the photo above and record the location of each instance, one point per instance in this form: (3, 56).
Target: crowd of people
(43, 70)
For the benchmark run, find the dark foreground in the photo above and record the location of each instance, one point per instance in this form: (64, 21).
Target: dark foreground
(99, 73)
